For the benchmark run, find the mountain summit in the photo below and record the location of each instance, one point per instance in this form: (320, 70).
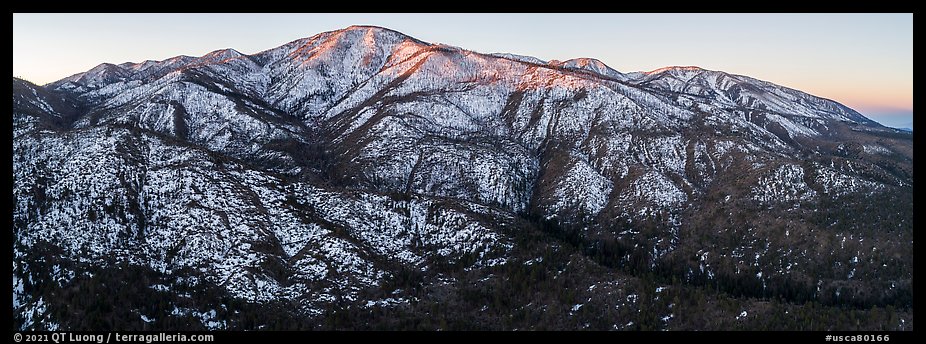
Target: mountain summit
(361, 178)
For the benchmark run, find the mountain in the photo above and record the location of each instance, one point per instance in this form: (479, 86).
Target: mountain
(364, 179)
(594, 66)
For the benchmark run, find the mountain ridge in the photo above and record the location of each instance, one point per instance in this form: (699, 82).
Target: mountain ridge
(361, 170)
(601, 69)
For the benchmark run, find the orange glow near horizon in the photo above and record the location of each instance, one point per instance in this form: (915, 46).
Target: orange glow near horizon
(868, 91)
(881, 98)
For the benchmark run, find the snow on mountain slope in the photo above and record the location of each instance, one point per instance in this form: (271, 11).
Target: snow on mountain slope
(323, 169)
(102, 74)
(522, 58)
(111, 192)
(394, 109)
(592, 65)
(730, 91)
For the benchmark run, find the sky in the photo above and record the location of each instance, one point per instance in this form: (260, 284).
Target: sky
(864, 61)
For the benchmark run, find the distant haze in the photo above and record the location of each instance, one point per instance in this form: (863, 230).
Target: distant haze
(864, 61)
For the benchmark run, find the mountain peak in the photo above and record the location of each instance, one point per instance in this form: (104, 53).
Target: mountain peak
(588, 64)
(584, 61)
(676, 68)
(370, 30)
(218, 56)
(227, 52)
(367, 28)
(101, 74)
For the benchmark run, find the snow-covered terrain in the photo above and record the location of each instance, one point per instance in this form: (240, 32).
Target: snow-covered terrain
(322, 169)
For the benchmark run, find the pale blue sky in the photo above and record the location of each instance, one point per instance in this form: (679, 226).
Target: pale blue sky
(862, 60)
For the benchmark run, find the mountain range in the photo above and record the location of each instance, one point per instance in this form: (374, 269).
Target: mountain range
(364, 179)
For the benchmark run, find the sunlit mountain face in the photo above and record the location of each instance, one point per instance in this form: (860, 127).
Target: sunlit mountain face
(363, 179)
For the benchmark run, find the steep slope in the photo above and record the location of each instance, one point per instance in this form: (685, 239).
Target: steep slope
(591, 65)
(734, 91)
(363, 169)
